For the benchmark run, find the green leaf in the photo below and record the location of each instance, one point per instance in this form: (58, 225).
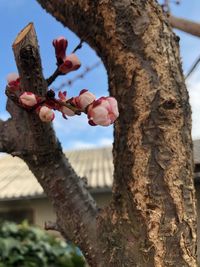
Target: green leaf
(27, 246)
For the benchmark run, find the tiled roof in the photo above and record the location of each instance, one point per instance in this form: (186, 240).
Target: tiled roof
(17, 181)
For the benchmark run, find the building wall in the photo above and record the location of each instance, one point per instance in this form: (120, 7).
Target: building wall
(41, 208)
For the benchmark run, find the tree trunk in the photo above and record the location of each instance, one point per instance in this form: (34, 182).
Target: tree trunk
(151, 220)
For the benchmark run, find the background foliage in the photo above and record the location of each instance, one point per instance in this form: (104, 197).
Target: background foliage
(26, 246)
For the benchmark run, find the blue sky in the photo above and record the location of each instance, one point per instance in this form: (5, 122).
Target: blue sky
(75, 132)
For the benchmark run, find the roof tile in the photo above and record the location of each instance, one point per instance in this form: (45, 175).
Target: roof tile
(17, 181)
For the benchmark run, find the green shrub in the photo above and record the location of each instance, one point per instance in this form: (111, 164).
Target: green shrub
(27, 246)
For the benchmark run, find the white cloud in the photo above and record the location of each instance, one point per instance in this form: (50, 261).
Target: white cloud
(105, 142)
(4, 115)
(102, 142)
(76, 133)
(71, 125)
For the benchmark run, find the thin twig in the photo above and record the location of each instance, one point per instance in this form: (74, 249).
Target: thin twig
(192, 69)
(52, 78)
(79, 76)
(69, 106)
(79, 46)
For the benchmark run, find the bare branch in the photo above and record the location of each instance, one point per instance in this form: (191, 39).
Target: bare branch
(79, 76)
(192, 69)
(53, 77)
(185, 25)
(79, 46)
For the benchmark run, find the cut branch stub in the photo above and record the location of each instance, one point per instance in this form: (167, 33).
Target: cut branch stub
(28, 61)
(27, 56)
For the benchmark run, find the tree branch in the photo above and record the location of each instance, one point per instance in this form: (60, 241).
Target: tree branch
(79, 46)
(192, 69)
(75, 209)
(78, 76)
(184, 25)
(53, 77)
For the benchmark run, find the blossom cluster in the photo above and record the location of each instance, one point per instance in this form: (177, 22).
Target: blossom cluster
(102, 111)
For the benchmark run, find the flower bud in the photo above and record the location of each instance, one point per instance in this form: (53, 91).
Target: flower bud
(13, 81)
(70, 63)
(60, 45)
(28, 99)
(46, 114)
(84, 99)
(103, 111)
(63, 109)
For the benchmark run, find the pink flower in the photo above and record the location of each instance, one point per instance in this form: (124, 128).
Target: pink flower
(60, 45)
(103, 111)
(84, 99)
(46, 114)
(63, 109)
(13, 81)
(70, 63)
(28, 99)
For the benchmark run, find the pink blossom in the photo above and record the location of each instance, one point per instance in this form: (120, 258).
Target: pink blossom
(46, 114)
(63, 109)
(28, 99)
(70, 63)
(60, 45)
(84, 99)
(103, 111)
(13, 81)
(62, 95)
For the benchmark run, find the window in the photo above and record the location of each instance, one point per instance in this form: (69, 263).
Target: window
(17, 215)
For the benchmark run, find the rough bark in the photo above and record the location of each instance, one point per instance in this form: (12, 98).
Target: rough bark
(152, 218)
(4, 142)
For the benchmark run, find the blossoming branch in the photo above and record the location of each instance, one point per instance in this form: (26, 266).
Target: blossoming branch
(102, 111)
